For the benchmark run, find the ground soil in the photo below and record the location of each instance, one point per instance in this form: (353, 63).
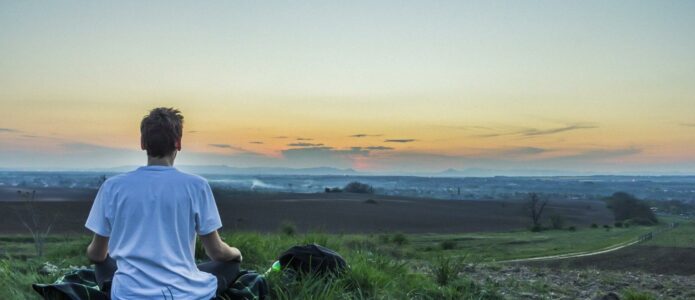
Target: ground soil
(527, 282)
(329, 212)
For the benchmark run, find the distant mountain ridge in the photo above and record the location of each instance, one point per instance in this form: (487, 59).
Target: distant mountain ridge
(227, 170)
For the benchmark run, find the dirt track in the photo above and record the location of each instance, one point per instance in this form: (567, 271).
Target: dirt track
(653, 259)
(339, 213)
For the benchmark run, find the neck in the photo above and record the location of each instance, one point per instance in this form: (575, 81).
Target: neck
(163, 161)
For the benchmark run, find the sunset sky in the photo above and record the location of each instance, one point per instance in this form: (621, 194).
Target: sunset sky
(377, 86)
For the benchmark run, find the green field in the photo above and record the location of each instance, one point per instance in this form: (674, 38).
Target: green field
(525, 244)
(394, 266)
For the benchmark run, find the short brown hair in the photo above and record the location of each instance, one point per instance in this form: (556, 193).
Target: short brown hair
(159, 131)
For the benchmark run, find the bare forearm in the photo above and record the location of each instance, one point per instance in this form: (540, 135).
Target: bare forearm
(217, 249)
(97, 249)
(226, 253)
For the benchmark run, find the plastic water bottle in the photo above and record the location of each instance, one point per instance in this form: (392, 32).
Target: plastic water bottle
(276, 267)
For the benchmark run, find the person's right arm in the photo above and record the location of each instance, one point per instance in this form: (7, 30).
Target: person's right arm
(218, 250)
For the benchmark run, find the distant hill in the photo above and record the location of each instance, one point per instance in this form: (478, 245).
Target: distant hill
(478, 172)
(227, 170)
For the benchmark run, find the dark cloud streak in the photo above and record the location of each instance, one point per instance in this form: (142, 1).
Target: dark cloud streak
(361, 135)
(399, 140)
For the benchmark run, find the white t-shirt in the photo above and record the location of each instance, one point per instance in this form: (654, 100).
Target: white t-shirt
(151, 216)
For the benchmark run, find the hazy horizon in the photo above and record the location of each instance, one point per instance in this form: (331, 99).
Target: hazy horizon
(390, 87)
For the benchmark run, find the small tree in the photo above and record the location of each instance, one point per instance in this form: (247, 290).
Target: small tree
(535, 207)
(627, 207)
(32, 221)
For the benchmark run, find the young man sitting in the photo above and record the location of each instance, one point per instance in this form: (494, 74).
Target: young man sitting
(145, 224)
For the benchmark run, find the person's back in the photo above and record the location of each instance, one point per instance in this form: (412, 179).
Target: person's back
(148, 219)
(153, 213)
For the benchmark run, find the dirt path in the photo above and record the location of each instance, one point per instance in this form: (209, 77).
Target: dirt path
(574, 255)
(612, 248)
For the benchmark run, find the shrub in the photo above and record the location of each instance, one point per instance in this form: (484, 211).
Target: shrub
(447, 245)
(288, 228)
(399, 239)
(594, 225)
(370, 201)
(536, 228)
(557, 221)
(618, 224)
(607, 227)
(572, 228)
(333, 190)
(445, 269)
(359, 188)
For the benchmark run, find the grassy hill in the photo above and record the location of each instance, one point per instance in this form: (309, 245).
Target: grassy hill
(383, 266)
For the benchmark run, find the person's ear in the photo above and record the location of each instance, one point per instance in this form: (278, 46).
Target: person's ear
(178, 144)
(142, 145)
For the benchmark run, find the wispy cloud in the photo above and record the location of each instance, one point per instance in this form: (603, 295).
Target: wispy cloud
(533, 132)
(598, 154)
(399, 140)
(324, 156)
(463, 127)
(378, 148)
(522, 151)
(280, 137)
(256, 142)
(228, 146)
(302, 144)
(192, 131)
(85, 147)
(8, 130)
(361, 135)
(304, 139)
(370, 148)
(688, 124)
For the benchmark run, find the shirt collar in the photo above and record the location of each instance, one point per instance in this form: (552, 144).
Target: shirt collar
(156, 168)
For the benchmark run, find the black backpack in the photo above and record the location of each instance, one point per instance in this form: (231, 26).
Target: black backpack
(312, 259)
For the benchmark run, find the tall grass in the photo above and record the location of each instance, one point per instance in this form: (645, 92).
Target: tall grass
(377, 270)
(16, 277)
(637, 295)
